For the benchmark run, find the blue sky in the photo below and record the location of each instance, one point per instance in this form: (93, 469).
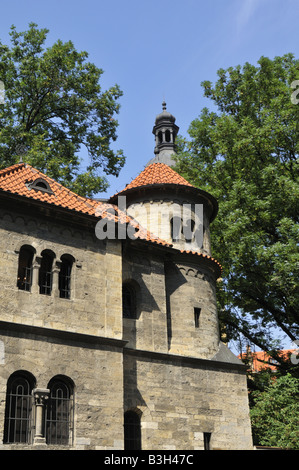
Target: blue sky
(160, 49)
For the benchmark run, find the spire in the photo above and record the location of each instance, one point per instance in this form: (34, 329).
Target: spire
(165, 131)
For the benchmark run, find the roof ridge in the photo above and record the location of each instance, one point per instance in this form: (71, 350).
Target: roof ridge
(11, 168)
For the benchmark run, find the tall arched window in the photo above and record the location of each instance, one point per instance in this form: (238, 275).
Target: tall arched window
(65, 276)
(59, 419)
(188, 230)
(24, 279)
(176, 228)
(45, 272)
(18, 410)
(132, 431)
(129, 300)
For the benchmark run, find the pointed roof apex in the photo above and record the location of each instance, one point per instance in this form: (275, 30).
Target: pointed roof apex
(160, 175)
(155, 174)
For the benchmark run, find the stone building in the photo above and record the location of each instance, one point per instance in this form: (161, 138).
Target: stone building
(109, 333)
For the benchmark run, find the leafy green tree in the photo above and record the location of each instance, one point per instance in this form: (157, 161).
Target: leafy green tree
(275, 414)
(53, 108)
(245, 152)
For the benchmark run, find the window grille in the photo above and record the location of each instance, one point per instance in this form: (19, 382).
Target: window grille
(18, 413)
(65, 278)
(45, 283)
(45, 274)
(132, 431)
(24, 279)
(59, 419)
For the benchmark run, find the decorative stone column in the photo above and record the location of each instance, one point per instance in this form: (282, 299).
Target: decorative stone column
(35, 274)
(55, 278)
(40, 395)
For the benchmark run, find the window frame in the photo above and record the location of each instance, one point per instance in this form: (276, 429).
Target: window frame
(132, 430)
(16, 427)
(25, 268)
(45, 278)
(60, 412)
(129, 292)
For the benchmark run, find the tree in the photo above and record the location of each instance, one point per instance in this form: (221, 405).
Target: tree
(275, 414)
(54, 107)
(245, 152)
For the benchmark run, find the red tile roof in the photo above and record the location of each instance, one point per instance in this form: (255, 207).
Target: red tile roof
(16, 179)
(160, 174)
(156, 173)
(261, 360)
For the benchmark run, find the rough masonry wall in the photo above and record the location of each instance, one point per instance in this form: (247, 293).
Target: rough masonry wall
(179, 401)
(189, 286)
(95, 370)
(146, 273)
(95, 303)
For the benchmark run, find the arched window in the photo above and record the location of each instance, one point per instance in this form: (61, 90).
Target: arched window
(132, 431)
(40, 184)
(188, 230)
(129, 301)
(65, 276)
(167, 135)
(176, 228)
(18, 410)
(59, 419)
(24, 279)
(45, 272)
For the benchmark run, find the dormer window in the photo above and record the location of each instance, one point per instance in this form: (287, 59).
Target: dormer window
(40, 184)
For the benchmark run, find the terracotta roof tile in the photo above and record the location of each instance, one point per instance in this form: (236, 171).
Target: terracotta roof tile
(16, 179)
(156, 173)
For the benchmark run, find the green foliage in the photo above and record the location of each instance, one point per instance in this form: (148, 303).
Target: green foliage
(246, 154)
(275, 414)
(54, 107)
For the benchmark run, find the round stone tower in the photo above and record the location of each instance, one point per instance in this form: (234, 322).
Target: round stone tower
(163, 202)
(167, 205)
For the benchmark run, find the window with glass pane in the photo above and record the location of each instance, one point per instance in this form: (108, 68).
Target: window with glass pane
(59, 413)
(18, 413)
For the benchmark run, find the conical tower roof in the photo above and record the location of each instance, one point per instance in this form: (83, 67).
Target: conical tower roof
(160, 175)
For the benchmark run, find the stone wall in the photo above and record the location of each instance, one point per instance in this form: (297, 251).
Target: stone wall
(95, 303)
(95, 369)
(180, 400)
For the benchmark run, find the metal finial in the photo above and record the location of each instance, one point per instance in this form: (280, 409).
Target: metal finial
(164, 106)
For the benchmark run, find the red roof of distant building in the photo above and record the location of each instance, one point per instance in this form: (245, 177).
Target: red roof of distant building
(262, 360)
